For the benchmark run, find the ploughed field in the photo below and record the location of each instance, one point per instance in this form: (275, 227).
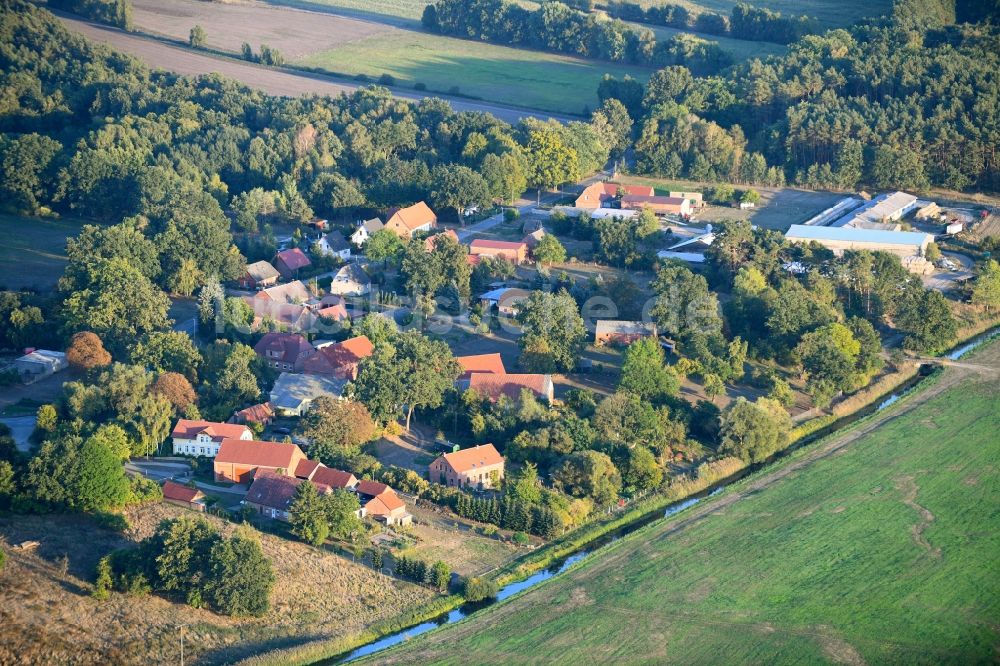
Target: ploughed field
(877, 545)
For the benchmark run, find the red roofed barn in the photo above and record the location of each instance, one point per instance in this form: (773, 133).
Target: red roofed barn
(290, 261)
(489, 363)
(602, 195)
(514, 252)
(492, 386)
(239, 460)
(189, 498)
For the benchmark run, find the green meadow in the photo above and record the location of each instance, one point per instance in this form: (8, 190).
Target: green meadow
(882, 553)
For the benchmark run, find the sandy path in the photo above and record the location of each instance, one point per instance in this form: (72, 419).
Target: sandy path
(286, 83)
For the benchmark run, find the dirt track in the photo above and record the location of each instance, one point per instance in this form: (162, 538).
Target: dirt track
(286, 83)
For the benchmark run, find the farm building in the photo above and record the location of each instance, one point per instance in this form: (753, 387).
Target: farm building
(608, 213)
(492, 386)
(350, 280)
(365, 230)
(239, 460)
(189, 498)
(603, 195)
(687, 257)
(700, 242)
(904, 244)
(504, 299)
(39, 363)
(293, 395)
(880, 213)
(318, 473)
(514, 252)
(477, 467)
(381, 503)
(609, 331)
(289, 262)
(533, 238)
(261, 414)
(259, 275)
(333, 307)
(404, 222)
(334, 244)
(339, 359)
(203, 438)
(696, 199)
(659, 205)
(488, 363)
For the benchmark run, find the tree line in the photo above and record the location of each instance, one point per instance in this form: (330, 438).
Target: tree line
(557, 27)
(113, 12)
(744, 21)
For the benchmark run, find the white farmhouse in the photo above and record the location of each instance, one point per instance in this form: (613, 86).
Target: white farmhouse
(203, 438)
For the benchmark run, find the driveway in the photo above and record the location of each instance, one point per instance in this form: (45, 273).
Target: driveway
(945, 280)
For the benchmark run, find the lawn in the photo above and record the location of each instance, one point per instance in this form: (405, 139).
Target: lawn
(882, 552)
(530, 79)
(34, 250)
(829, 13)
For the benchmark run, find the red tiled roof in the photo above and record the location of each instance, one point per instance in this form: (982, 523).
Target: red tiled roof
(492, 363)
(179, 493)
(257, 413)
(259, 454)
(384, 504)
(272, 490)
(484, 455)
(413, 217)
(334, 478)
(340, 357)
(493, 386)
(188, 429)
(644, 199)
(290, 346)
(371, 488)
(605, 190)
(485, 244)
(305, 468)
(431, 241)
(293, 258)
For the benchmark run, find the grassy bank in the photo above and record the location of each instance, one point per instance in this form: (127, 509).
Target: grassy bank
(880, 552)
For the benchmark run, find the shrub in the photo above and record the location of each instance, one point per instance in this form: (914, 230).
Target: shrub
(115, 522)
(387, 80)
(454, 90)
(521, 539)
(420, 85)
(3, 558)
(477, 589)
(511, 214)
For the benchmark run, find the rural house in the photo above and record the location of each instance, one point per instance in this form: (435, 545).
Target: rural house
(271, 494)
(334, 244)
(203, 438)
(365, 230)
(431, 241)
(289, 262)
(609, 331)
(284, 316)
(515, 253)
(504, 299)
(239, 460)
(603, 195)
(185, 496)
(293, 394)
(259, 275)
(339, 359)
(659, 205)
(332, 307)
(283, 351)
(478, 467)
(350, 280)
(292, 292)
(317, 472)
(492, 386)
(405, 222)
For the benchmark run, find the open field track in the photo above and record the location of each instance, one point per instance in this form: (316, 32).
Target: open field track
(282, 82)
(876, 545)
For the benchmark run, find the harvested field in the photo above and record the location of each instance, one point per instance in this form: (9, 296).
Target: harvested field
(48, 616)
(227, 25)
(272, 81)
